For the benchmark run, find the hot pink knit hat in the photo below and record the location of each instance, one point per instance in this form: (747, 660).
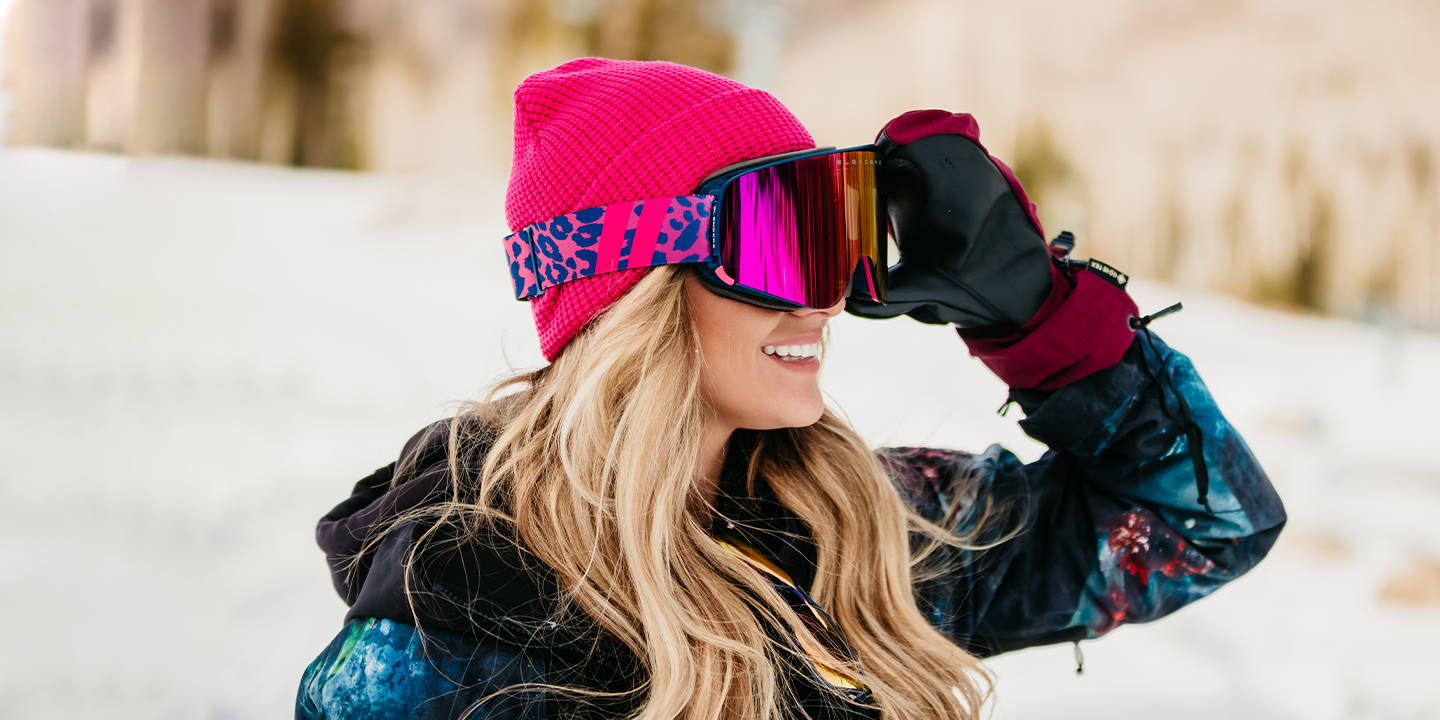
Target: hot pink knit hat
(595, 131)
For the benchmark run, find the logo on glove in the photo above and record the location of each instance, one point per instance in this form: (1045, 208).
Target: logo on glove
(1116, 278)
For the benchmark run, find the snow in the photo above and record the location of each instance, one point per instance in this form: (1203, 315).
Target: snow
(201, 358)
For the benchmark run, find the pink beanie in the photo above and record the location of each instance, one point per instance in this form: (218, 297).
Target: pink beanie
(595, 131)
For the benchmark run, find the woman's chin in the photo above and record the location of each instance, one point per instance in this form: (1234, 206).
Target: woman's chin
(803, 417)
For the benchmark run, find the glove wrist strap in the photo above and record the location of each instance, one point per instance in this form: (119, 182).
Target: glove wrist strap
(1083, 326)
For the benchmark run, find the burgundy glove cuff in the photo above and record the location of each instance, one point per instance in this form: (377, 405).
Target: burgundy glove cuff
(1082, 327)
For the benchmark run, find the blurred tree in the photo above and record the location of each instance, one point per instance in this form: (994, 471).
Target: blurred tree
(316, 52)
(681, 31)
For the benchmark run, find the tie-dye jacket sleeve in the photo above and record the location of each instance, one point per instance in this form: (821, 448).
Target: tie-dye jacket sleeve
(1113, 520)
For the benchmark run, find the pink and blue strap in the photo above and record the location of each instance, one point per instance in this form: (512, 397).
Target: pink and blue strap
(606, 238)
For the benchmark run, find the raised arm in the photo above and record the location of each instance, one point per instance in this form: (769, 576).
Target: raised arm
(1147, 499)
(1112, 521)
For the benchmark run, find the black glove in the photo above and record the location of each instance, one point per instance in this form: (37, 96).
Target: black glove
(971, 250)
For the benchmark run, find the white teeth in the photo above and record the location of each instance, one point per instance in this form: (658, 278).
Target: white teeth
(794, 351)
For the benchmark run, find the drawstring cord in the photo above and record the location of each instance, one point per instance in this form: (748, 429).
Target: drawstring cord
(1194, 437)
(1192, 429)
(1059, 248)
(1140, 322)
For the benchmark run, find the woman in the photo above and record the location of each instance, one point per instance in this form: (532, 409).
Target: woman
(667, 522)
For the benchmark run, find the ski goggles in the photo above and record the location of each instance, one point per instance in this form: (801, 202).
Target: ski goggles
(782, 232)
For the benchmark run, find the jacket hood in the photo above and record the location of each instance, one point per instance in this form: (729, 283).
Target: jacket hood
(487, 584)
(491, 583)
(375, 498)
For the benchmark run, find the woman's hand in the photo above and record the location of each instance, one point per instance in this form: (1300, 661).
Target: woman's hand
(973, 255)
(972, 252)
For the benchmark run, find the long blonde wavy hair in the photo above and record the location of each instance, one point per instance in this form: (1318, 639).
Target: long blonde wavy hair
(572, 471)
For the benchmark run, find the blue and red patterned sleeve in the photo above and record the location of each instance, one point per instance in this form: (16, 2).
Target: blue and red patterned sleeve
(1147, 500)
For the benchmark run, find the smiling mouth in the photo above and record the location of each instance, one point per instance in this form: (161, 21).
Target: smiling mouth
(804, 358)
(792, 352)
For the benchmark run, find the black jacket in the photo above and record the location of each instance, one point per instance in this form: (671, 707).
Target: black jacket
(1117, 531)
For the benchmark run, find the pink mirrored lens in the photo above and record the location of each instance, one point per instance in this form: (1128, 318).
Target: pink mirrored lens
(797, 230)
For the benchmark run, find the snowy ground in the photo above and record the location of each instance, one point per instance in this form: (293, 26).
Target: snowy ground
(199, 359)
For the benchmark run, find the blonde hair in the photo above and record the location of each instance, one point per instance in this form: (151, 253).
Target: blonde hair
(573, 473)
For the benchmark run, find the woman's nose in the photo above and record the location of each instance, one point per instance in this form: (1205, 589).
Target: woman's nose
(831, 311)
(837, 307)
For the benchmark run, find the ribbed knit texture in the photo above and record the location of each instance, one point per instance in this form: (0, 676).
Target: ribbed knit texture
(594, 131)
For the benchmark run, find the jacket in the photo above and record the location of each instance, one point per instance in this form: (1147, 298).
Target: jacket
(1147, 499)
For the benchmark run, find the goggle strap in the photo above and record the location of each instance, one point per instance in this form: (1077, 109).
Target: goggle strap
(606, 238)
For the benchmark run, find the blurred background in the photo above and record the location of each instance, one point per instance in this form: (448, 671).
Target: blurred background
(248, 248)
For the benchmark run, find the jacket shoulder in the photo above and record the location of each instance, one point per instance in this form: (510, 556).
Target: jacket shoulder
(379, 667)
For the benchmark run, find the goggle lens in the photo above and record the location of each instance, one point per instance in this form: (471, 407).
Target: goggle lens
(798, 229)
